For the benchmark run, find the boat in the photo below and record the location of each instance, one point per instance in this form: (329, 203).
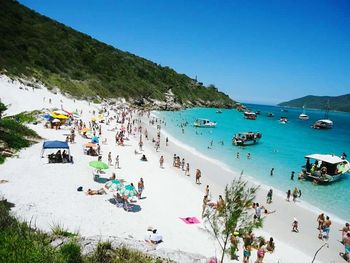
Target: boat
(327, 168)
(325, 123)
(204, 123)
(283, 120)
(219, 111)
(258, 112)
(270, 114)
(249, 115)
(246, 138)
(303, 116)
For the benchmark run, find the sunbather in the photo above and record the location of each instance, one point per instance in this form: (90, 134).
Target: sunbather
(96, 192)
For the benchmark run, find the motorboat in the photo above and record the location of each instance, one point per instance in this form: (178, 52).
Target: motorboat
(326, 169)
(204, 123)
(323, 124)
(303, 116)
(258, 112)
(246, 138)
(219, 111)
(283, 120)
(249, 115)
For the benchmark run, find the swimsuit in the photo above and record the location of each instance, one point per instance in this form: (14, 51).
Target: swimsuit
(246, 253)
(347, 249)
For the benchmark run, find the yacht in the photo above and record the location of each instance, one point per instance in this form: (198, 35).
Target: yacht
(204, 123)
(303, 116)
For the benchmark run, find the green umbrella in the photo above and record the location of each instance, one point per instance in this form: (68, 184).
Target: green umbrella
(128, 191)
(115, 185)
(99, 165)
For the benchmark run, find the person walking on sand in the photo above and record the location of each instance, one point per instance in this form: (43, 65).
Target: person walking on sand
(288, 195)
(198, 176)
(204, 205)
(269, 197)
(166, 141)
(207, 191)
(140, 145)
(326, 228)
(110, 159)
(174, 160)
(295, 226)
(187, 171)
(183, 164)
(161, 162)
(320, 220)
(140, 187)
(116, 165)
(295, 194)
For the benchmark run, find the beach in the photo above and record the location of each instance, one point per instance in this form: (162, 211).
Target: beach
(46, 194)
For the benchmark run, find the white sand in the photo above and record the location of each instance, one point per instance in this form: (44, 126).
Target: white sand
(45, 194)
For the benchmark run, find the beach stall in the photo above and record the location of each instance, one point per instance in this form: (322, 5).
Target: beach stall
(58, 157)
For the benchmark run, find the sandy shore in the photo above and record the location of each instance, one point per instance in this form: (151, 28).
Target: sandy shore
(46, 193)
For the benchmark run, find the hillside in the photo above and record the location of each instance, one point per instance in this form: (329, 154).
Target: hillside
(36, 46)
(338, 103)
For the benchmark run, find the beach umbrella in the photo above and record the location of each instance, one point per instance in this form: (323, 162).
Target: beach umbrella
(115, 185)
(99, 165)
(128, 191)
(59, 116)
(95, 139)
(59, 112)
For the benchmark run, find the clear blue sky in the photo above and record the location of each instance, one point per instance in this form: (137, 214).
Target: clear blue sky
(255, 51)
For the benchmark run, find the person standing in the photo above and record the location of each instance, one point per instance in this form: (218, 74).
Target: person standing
(288, 194)
(320, 220)
(198, 176)
(183, 164)
(326, 228)
(109, 158)
(187, 171)
(174, 160)
(292, 176)
(140, 145)
(295, 194)
(295, 226)
(161, 162)
(116, 165)
(140, 187)
(269, 197)
(271, 172)
(166, 141)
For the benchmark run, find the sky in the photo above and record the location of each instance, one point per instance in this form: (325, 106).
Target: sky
(255, 51)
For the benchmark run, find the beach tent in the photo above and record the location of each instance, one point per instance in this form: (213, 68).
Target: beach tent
(55, 145)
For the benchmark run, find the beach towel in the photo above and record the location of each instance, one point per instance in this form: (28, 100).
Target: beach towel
(190, 220)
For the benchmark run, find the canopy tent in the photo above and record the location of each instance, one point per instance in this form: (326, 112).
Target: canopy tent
(55, 145)
(328, 158)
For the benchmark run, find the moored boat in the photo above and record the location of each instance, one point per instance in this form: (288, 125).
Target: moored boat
(327, 168)
(246, 138)
(283, 120)
(323, 124)
(303, 116)
(204, 123)
(219, 111)
(249, 115)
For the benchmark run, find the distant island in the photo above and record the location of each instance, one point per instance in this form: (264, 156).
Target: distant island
(40, 49)
(336, 103)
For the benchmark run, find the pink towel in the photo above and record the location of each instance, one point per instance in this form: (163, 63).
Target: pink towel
(190, 220)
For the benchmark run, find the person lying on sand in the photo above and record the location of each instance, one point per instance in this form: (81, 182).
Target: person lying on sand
(96, 192)
(153, 237)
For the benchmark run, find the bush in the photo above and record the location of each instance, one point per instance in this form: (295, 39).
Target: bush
(71, 252)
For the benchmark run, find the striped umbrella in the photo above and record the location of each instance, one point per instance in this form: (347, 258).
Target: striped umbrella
(128, 191)
(114, 185)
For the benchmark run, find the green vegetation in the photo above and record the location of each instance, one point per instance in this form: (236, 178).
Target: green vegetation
(36, 46)
(26, 117)
(20, 242)
(338, 103)
(233, 219)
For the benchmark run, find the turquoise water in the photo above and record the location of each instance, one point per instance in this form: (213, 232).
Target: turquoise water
(283, 146)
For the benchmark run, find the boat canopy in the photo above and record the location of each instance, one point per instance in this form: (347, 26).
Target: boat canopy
(328, 158)
(326, 121)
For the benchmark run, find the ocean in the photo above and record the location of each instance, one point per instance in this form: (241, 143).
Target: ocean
(282, 147)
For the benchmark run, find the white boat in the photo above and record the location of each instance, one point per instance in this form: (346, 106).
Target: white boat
(323, 124)
(219, 111)
(303, 116)
(250, 115)
(204, 123)
(327, 168)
